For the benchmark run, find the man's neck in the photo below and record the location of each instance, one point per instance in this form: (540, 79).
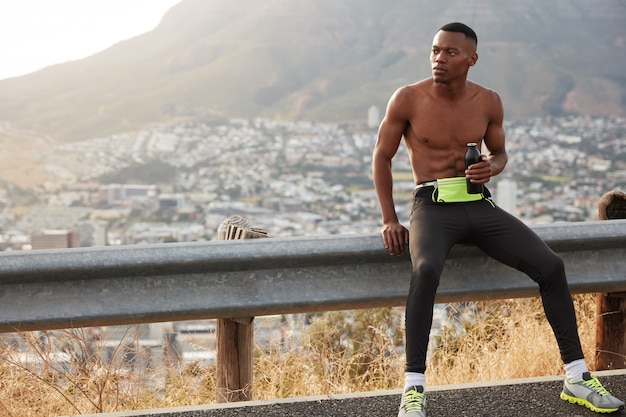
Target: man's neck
(450, 90)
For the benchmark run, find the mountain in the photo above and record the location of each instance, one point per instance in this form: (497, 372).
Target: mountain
(324, 60)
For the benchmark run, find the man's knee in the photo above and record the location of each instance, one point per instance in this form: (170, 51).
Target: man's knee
(549, 267)
(425, 276)
(555, 267)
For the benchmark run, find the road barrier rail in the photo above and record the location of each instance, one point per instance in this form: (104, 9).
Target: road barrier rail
(79, 287)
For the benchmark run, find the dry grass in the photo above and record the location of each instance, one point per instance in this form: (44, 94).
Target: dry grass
(340, 352)
(508, 339)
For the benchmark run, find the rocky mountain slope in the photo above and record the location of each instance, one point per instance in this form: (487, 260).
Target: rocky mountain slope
(324, 60)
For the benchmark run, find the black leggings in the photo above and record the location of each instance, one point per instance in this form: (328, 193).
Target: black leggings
(436, 227)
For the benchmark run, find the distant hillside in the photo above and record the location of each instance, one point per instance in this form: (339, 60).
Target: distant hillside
(324, 60)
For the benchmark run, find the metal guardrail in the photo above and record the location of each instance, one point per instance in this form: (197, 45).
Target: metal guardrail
(79, 287)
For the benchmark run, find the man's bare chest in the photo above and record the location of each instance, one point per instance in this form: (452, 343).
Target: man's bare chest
(447, 127)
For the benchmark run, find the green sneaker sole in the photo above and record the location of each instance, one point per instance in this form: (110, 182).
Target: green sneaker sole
(585, 403)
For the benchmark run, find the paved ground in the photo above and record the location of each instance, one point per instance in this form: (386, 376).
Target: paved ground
(537, 397)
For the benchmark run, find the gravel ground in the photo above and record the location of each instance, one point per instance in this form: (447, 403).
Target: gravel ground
(537, 397)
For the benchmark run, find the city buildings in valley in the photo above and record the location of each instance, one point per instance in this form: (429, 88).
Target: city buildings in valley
(289, 178)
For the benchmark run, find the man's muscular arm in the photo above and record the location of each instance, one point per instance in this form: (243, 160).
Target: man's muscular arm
(495, 160)
(394, 235)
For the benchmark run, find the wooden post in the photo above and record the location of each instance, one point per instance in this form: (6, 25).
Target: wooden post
(610, 326)
(235, 337)
(611, 307)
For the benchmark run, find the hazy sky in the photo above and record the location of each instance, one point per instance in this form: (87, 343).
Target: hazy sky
(37, 33)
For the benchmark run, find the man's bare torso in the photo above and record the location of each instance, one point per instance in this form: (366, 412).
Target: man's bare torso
(438, 130)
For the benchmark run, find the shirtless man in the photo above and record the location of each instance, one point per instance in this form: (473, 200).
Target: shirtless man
(438, 117)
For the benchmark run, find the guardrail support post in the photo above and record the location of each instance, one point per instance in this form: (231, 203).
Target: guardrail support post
(611, 307)
(610, 326)
(235, 337)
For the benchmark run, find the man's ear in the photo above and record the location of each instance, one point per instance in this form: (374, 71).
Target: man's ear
(472, 59)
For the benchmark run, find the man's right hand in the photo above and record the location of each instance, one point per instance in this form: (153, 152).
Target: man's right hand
(395, 238)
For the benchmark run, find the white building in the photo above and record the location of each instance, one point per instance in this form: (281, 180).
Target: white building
(506, 196)
(373, 117)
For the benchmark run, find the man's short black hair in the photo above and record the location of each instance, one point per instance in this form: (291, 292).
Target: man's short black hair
(461, 28)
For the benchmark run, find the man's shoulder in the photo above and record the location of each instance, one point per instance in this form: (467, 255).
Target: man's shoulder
(420, 85)
(489, 100)
(482, 90)
(411, 90)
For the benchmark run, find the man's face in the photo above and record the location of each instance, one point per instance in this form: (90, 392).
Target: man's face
(451, 56)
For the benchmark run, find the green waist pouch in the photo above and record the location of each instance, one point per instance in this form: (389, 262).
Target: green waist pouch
(454, 190)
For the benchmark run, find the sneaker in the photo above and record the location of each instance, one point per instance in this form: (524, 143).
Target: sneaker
(413, 402)
(590, 393)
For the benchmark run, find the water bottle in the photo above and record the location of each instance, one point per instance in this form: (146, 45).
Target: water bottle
(472, 156)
